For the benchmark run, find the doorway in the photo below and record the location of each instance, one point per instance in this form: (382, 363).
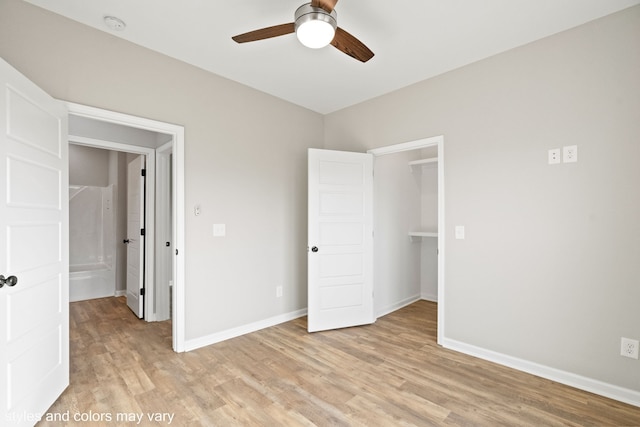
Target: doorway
(433, 143)
(159, 140)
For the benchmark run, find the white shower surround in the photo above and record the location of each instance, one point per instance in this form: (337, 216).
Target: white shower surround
(91, 242)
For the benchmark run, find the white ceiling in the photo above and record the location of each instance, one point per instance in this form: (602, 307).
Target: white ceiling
(412, 39)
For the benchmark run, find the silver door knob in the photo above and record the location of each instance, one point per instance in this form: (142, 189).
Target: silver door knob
(9, 281)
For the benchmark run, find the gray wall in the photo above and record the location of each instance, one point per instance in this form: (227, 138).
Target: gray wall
(245, 159)
(429, 246)
(118, 177)
(81, 126)
(549, 271)
(397, 210)
(88, 166)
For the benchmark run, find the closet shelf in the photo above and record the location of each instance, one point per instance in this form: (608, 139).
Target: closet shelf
(414, 235)
(423, 162)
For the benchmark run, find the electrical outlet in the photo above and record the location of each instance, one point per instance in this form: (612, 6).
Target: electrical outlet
(554, 156)
(629, 348)
(278, 291)
(219, 230)
(570, 154)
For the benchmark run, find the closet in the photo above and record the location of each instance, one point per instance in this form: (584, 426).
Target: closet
(405, 228)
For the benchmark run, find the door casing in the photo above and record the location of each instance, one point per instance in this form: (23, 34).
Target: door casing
(178, 202)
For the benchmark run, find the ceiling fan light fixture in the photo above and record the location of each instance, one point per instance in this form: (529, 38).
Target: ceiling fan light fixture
(315, 27)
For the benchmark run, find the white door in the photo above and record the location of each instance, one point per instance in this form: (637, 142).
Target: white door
(34, 250)
(340, 252)
(135, 236)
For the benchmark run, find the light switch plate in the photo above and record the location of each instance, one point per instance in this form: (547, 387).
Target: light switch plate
(460, 232)
(219, 230)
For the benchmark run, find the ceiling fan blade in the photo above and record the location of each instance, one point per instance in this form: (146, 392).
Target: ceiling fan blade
(265, 33)
(327, 5)
(350, 45)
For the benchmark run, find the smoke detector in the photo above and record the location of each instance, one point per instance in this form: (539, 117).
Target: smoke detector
(114, 23)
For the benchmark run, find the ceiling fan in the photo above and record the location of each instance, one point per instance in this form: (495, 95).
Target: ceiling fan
(316, 26)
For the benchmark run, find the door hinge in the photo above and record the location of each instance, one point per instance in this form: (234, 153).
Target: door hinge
(142, 231)
(143, 172)
(142, 292)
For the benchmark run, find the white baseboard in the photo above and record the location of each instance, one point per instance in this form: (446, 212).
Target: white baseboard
(242, 330)
(611, 391)
(121, 293)
(397, 306)
(429, 297)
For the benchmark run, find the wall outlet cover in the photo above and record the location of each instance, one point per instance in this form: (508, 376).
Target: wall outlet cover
(629, 348)
(219, 230)
(554, 156)
(570, 154)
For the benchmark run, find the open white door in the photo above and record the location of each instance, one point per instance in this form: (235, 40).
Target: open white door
(340, 252)
(135, 236)
(34, 248)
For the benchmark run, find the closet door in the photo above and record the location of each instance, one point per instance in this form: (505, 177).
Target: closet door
(340, 251)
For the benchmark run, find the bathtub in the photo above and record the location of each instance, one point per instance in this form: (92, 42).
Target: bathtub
(88, 281)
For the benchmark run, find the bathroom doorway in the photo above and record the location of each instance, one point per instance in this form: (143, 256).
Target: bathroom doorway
(162, 146)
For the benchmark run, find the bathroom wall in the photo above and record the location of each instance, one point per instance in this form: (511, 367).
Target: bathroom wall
(88, 166)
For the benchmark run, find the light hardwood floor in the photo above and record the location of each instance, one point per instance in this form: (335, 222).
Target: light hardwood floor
(391, 373)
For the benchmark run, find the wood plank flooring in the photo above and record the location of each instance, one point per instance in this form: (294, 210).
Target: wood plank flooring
(391, 373)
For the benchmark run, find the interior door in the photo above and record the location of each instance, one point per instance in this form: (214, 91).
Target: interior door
(34, 248)
(135, 236)
(340, 252)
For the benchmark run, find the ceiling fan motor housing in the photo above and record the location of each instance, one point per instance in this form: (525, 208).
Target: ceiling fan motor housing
(315, 16)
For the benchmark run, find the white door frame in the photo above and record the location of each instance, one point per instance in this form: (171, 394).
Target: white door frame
(435, 141)
(177, 134)
(164, 209)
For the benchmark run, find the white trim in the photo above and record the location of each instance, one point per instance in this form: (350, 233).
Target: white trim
(407, 146)
(242, 330)
(177, 133)
(397, 306)
(102, 143)
(416, 145)
(429, 297)
(163, 225)
(120, 293)
(441, 240)
(591, 385)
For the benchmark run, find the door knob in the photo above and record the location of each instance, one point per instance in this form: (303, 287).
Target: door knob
(314, 249)
(9, 281)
